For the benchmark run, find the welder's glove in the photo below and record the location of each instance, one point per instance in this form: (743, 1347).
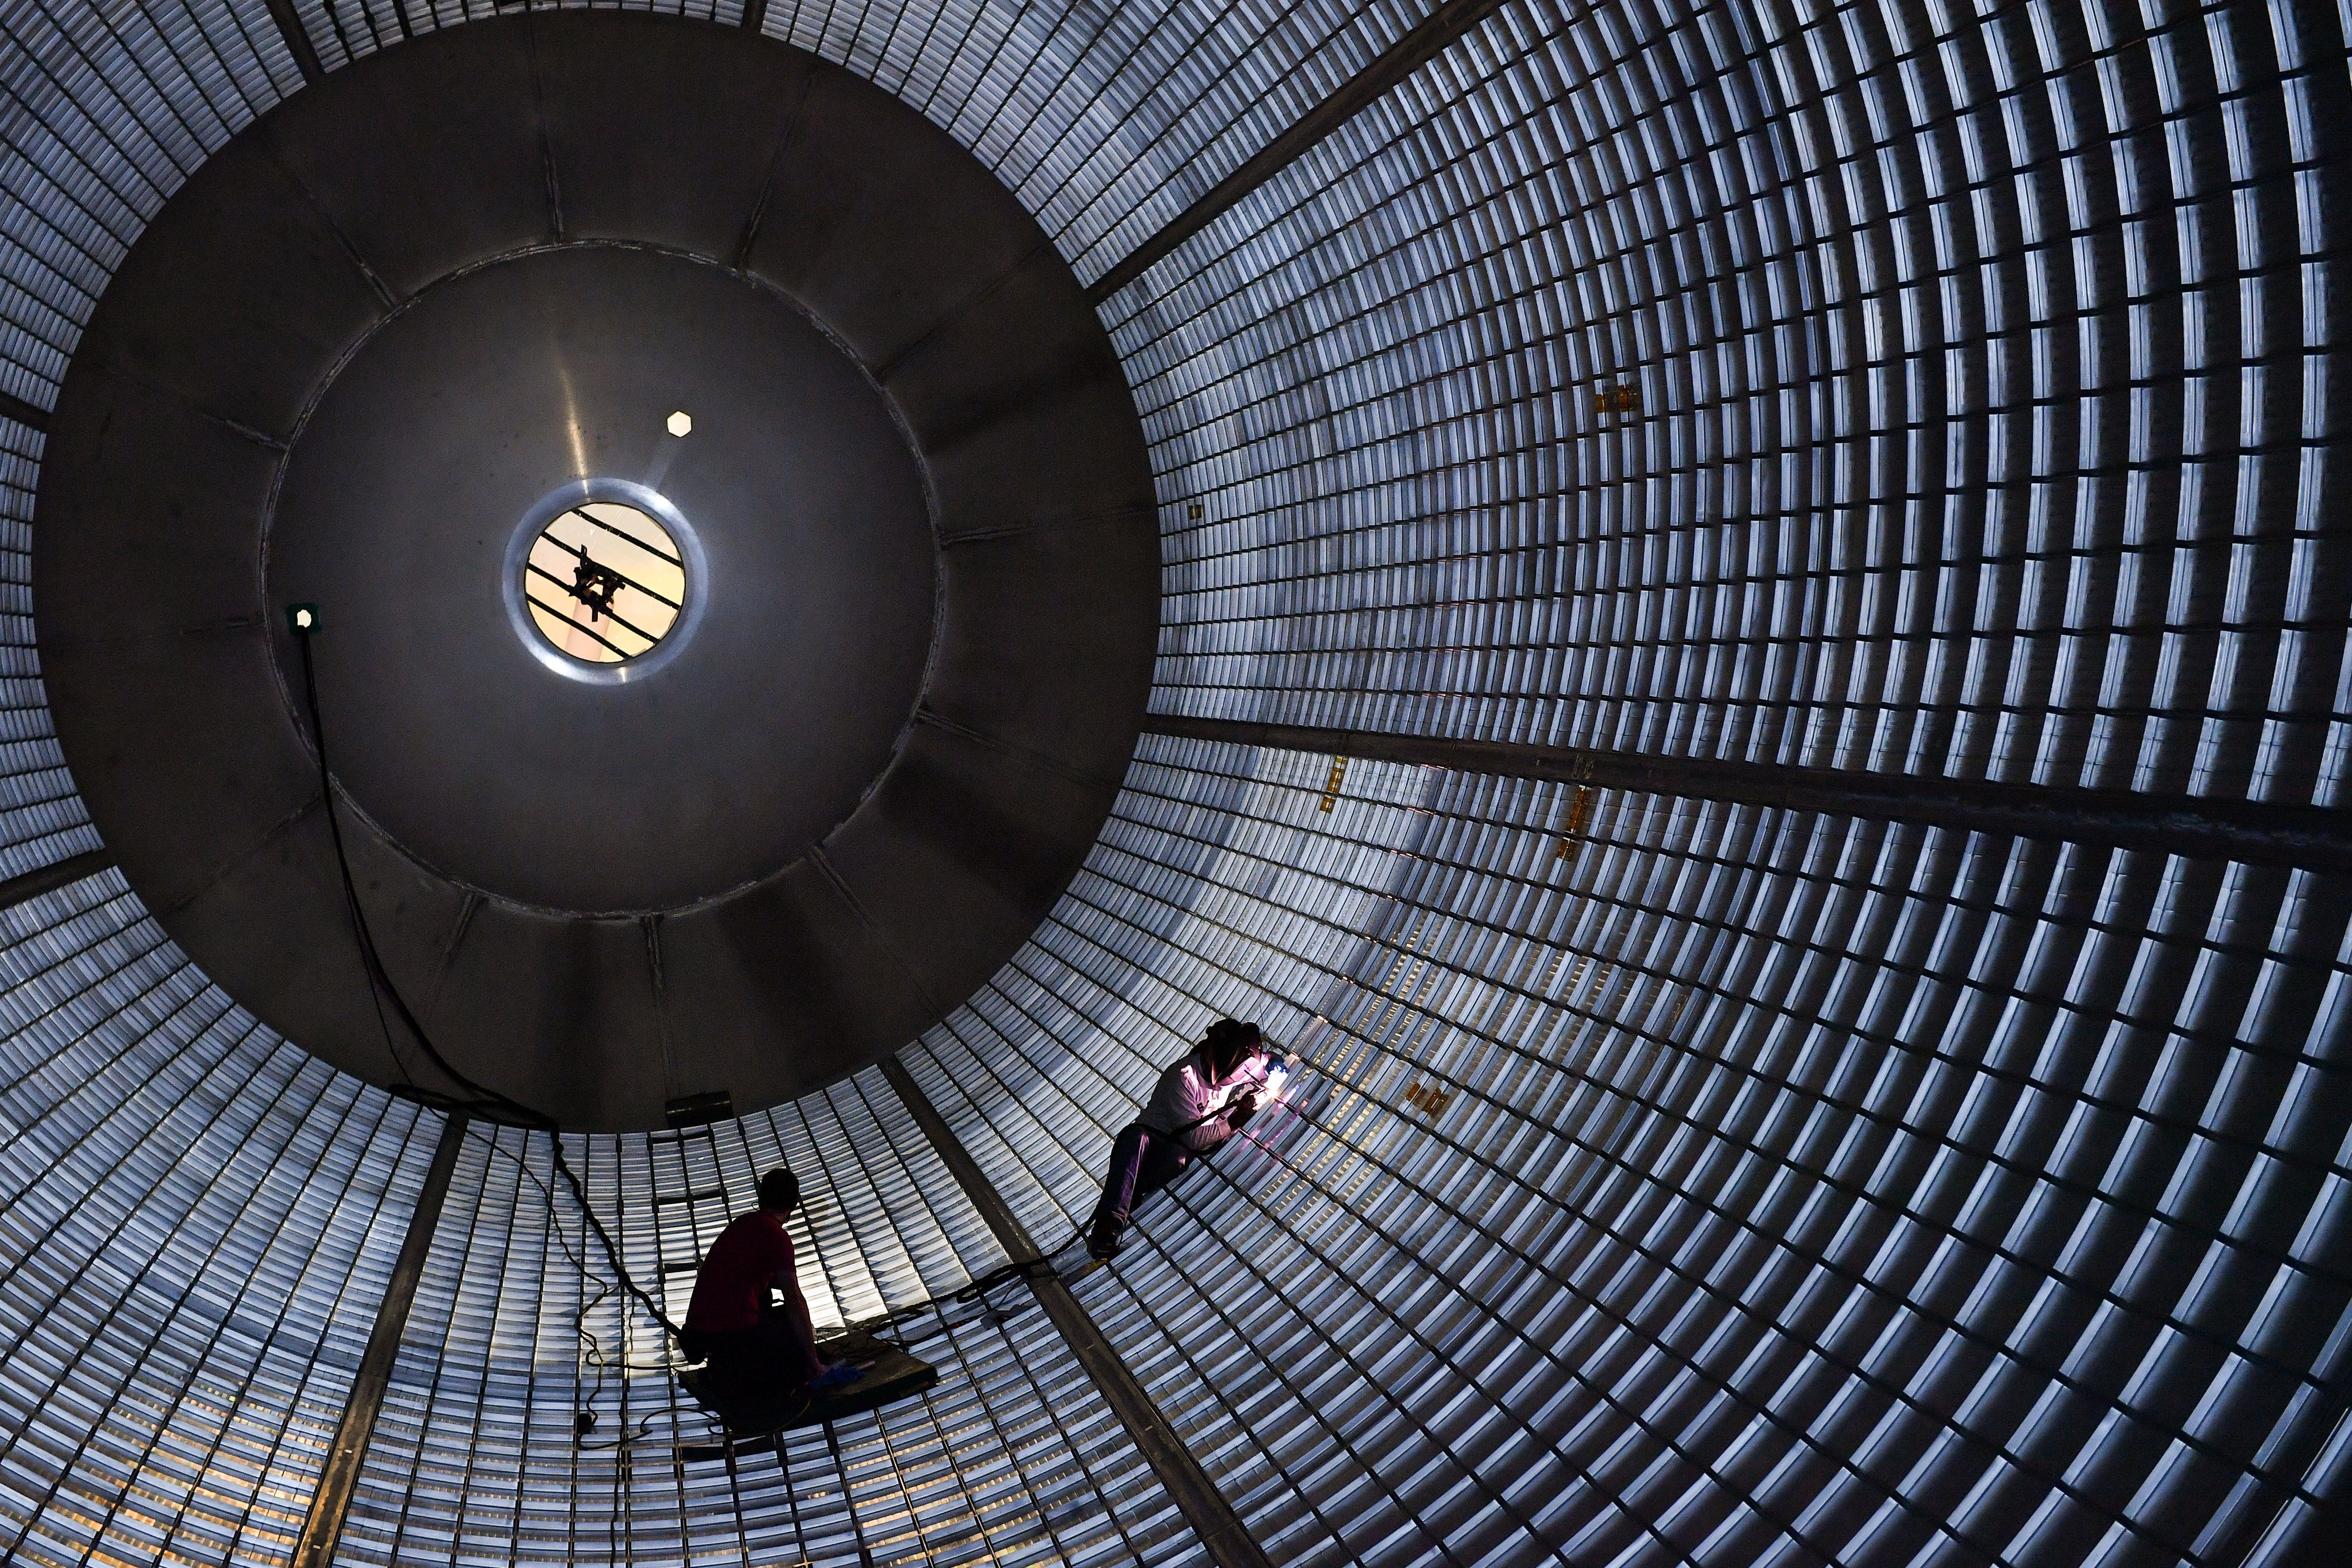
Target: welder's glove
(837, 1375)
(1243, 1108)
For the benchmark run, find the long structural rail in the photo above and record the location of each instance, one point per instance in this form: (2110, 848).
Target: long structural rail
(30, 414)
(1223, 1536)
(324, 1526)
(298, 41)
(1435, 32)
(2257, 833)
(51, 878)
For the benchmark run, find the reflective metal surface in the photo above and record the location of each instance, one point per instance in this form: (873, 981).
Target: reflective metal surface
(1679, 1180)
(444, 286)
(722, 757)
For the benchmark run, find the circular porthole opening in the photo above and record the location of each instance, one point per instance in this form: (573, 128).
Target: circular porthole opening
(604, 581)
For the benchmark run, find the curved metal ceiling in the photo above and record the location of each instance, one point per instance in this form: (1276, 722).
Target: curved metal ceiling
(457, 284)
(1897, 390)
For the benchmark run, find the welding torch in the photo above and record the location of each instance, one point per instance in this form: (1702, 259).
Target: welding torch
(1264, 1081)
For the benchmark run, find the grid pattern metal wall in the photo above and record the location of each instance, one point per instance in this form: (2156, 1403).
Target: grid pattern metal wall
(41, 817)
(196, 1225)
(104, 111)
(1013, 1459)
(1892, 386)
(1702, 1183)
(1865, 386)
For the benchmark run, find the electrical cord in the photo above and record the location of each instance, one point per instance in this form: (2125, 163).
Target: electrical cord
(335, 831)
(493, 1105)
(594, 1355)
(487, 1103)
(645, 1434)
(979, 1290)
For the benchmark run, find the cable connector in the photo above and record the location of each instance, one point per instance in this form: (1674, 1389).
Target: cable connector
(302, 619)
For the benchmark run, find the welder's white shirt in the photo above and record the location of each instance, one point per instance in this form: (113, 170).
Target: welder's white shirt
(1186, 1093)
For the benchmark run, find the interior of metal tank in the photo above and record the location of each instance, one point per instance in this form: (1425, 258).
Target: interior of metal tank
(1718, 616)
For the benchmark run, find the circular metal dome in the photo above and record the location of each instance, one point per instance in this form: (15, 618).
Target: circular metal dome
(904, 684)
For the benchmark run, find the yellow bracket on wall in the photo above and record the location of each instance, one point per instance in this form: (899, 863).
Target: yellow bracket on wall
(1331, 784)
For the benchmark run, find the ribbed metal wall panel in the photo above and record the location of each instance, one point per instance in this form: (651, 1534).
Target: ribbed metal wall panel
(1107, 121)
(103, 112)
(344, 30)
(41, 816)
(196, 1225)
(1874, 387)
(1013, 1459)
(1712, 1183)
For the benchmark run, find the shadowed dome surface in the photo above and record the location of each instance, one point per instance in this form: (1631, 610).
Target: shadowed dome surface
(777, 707)
(1911, 396)
(451, 296)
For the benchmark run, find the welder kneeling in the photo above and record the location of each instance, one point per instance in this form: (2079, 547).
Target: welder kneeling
(1197, 1105)
(762, 1357)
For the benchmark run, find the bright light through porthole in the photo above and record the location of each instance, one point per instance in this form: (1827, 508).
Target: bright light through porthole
(604, 583)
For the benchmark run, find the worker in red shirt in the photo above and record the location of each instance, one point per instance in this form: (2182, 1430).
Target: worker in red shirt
(760, 1356)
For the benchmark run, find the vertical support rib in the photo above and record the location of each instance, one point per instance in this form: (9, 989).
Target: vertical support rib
(298, 41)
(1221, 1534)
(755, 15)
(32, 416)
(1403, 57)
(316, 1546)
(51, 878)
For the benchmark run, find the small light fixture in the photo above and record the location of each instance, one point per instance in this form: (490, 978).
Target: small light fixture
(679, 424)
(302, 619)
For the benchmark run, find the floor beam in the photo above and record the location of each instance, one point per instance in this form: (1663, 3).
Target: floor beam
(1435, 33)
(2254, 832)
(1221, 1534)
(315, 1548)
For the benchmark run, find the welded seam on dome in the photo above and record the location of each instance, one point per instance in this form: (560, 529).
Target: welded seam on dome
(1034, 758)
(2256, 833)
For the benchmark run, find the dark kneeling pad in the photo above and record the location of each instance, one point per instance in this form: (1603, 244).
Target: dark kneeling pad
(894, 1376)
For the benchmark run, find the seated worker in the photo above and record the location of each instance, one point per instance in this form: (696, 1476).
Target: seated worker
(1197, 1104)
(760, 1357)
